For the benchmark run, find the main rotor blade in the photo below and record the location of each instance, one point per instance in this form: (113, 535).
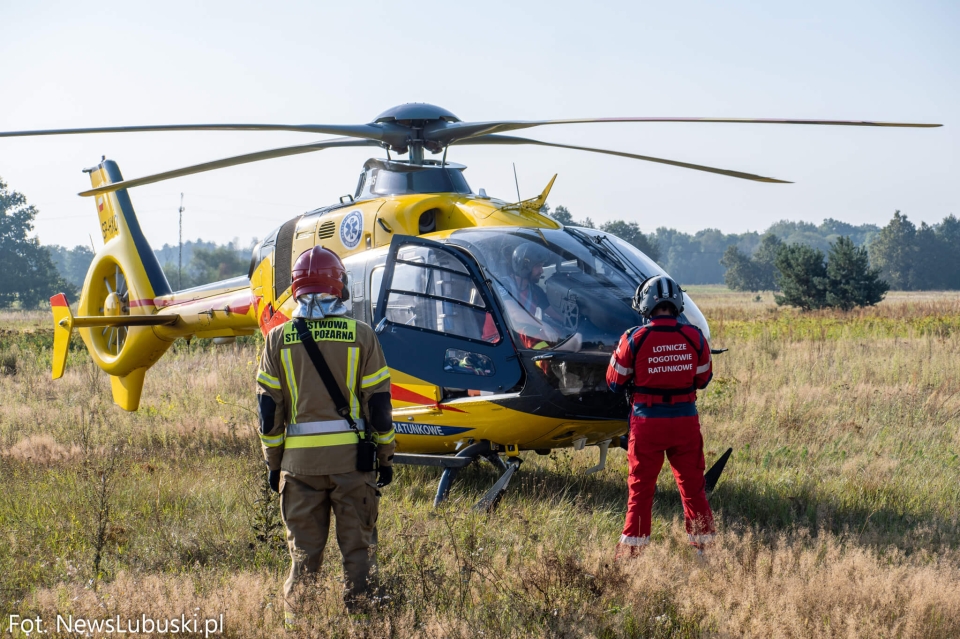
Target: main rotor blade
(368, 131)
(231, 161)
(447, 133)
(509, 139)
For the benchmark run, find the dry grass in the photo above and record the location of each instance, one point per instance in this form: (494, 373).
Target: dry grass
(839, 509)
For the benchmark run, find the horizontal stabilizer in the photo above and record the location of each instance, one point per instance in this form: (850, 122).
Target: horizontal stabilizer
(64, 322)
(124, 320)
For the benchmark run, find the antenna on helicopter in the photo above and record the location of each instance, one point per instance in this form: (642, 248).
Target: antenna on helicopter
(516, 181)
(180, 251)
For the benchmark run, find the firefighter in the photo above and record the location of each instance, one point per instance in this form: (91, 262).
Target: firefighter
(665, 362)
(310, 449)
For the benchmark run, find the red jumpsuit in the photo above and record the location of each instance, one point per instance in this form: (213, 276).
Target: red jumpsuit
(667, 363)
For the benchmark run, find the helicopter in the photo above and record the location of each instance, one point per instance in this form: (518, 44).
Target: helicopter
(476, 373)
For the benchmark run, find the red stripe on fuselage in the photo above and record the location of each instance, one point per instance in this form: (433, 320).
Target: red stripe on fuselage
(402, 394)
(269, 320)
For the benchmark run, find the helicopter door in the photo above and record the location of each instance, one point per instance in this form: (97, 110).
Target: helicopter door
(436, 320)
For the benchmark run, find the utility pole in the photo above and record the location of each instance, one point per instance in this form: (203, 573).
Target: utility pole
(180, 255)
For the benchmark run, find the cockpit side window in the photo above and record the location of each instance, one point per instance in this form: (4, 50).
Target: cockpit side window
(434, 292)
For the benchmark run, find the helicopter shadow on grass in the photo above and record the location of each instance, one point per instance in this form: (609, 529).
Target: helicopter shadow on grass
(532, 481)
(739, 504)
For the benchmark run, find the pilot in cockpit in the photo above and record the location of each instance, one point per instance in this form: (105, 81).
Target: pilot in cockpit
(525, 302)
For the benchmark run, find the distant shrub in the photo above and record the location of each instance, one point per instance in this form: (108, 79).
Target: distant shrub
(842, 280)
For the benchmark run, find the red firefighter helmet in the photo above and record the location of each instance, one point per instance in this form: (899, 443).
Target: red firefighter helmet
(319, 270)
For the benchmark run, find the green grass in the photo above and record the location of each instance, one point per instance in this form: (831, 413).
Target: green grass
(838, 510)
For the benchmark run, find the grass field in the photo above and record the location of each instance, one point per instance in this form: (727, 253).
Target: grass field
(839, 510)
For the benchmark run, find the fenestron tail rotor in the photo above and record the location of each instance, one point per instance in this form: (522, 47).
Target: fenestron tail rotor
(417, 127)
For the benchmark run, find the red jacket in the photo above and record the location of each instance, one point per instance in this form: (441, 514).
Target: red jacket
(665, 361)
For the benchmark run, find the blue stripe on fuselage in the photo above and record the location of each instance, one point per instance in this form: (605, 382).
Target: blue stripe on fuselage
(409, 428)
(158, 281)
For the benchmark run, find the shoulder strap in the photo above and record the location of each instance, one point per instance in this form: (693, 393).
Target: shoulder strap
(683, 334)
(333, 388)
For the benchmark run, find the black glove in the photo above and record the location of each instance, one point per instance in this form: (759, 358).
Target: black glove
(384, 476)
(274, 478)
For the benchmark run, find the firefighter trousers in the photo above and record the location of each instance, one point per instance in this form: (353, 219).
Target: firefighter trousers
(680, 439)
(305, 505)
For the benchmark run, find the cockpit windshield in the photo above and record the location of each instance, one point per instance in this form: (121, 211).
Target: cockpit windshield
(563, 290)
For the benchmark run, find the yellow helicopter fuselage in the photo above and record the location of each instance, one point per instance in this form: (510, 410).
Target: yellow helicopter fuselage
(128, 316)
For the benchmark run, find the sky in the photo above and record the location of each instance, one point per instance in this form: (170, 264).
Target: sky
(67, 64)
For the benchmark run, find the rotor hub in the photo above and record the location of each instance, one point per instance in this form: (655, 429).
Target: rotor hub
(112, 305)
(416, 114)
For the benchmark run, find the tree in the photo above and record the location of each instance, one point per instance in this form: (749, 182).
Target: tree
(802, 277)
(741, 271)
(765, 262)
(562, 214)
(894, 251)
(631, 233)
(752, 274)
(210, 263)
(948, 232)
(29, 276)
(72, 264)
(851, 281)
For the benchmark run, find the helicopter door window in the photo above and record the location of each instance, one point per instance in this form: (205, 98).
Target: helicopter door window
(438, 320)
(468, 363)
(433, 291)
(376, 281)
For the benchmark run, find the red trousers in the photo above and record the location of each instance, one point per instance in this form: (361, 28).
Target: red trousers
(680, 439)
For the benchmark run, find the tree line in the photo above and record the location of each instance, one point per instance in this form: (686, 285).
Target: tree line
(906, 256)
(202, 262)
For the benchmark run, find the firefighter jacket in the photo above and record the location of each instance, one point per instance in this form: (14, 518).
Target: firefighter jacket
(665, 361)
(300, 429)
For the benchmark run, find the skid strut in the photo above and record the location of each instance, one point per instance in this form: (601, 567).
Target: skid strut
(604, 446)
(452, 464)
(469, 454)
(489, 501)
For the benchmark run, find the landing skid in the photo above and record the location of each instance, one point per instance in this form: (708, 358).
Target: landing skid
(452, 464)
